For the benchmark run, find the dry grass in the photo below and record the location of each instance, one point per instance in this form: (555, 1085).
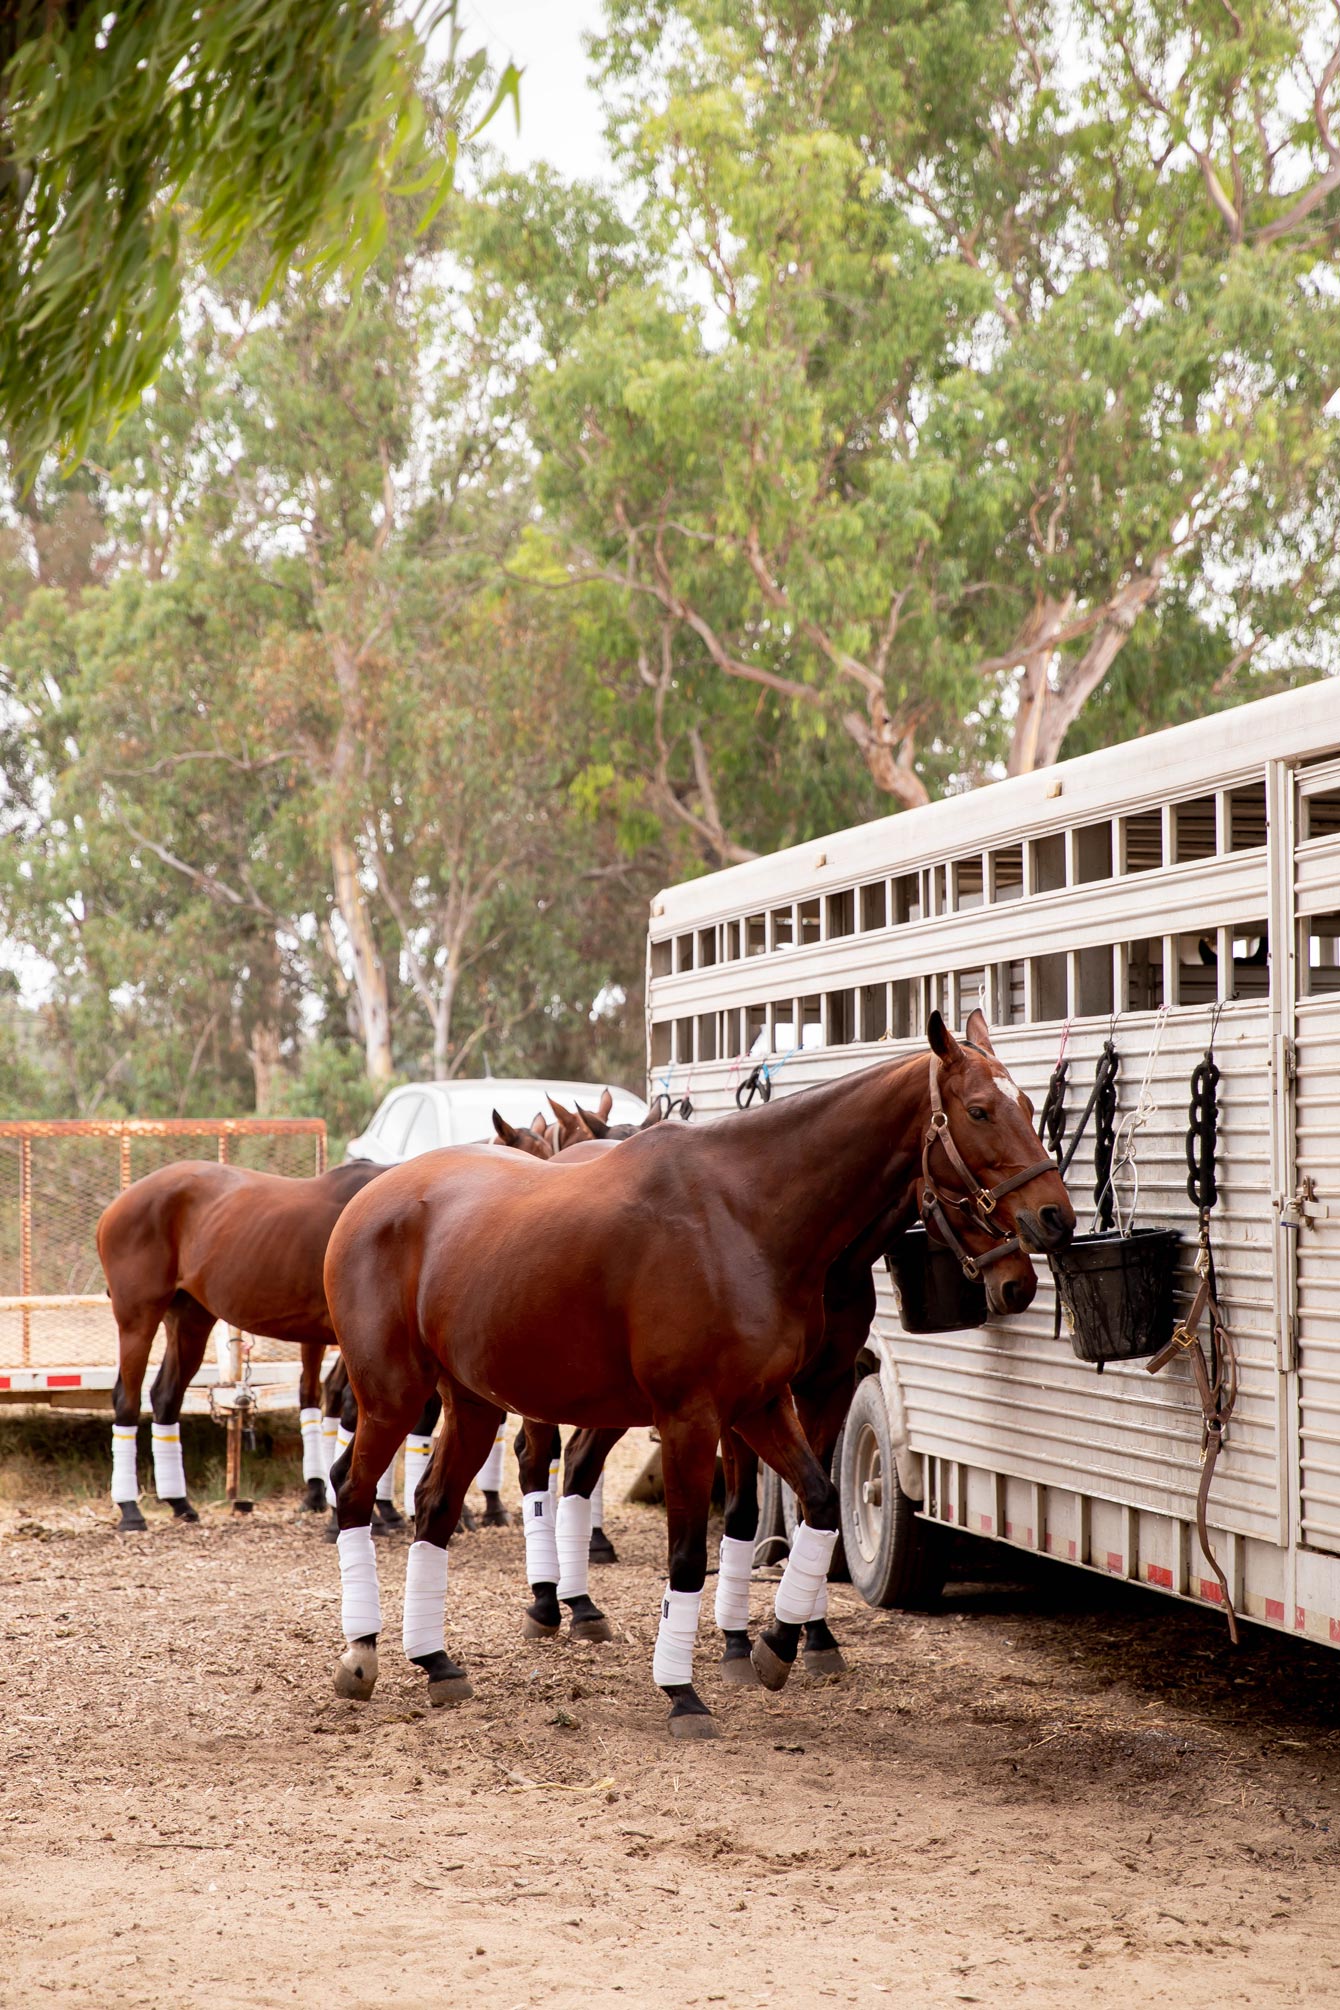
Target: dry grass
(56, 1455)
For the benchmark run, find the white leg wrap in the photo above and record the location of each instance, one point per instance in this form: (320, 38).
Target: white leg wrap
(360, 1605)
(554, 1465)
(537, 1518)
(821, 1602)
(425, 1624)
(330, 1427)
(313, 1464)
(672, 1663)
(733, 1575)
(343, 1440)
(598, 1503)
(386, 1484)
(169, 1473)
(418, 1451)
(806, 1573)
(489, 1477)
(572, 1532)
(125, 1483)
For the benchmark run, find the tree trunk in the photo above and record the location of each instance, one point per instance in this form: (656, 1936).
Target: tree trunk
(888, 745)
(264, 1003)
(369, 971)
(441, 1017)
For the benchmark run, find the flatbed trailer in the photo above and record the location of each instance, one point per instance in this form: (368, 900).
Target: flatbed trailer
(1184, 885)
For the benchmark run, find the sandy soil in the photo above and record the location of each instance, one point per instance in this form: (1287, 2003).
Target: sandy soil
(1053, 1792)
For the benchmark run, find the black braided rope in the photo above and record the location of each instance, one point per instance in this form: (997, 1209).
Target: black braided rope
(1202, 1135)
(1105, 1135)
(1052, 1122)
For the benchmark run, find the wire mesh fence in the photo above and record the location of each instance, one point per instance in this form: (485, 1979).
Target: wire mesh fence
(55, 1180)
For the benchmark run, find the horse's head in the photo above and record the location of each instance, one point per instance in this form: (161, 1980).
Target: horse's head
(987, 1167)
(572, 1126)
(535, 1140)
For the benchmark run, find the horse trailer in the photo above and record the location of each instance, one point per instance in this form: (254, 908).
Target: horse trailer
(1175, 893)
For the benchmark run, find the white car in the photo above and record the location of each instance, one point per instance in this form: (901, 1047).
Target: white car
(423, 1116)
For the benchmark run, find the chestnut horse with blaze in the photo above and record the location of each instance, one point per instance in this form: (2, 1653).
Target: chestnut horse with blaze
(678, 1281)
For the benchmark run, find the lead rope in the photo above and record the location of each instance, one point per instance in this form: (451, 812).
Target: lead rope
(1216, 1378)
(1052, 1124)
(1123, 1162)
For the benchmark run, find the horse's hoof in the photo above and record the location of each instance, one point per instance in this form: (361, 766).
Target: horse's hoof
(602, 1549)
(313, 1497)
(356, 1673)
(454, 1689)
(331, 1531)
(537, 1629)
(693, 1725)
(467, 1523)
(597, 1628)
(388, 1514)
(770, 1668)
(739, 1671)
(822, 1663)
(132, 1521)
(182, 1509)
(495, 1518)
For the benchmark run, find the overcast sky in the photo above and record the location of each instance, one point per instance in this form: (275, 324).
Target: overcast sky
(560, 117)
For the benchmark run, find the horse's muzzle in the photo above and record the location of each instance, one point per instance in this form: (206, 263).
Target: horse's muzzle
(1044, 1228)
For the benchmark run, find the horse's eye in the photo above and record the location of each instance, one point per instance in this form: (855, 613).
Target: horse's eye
(978, 1114)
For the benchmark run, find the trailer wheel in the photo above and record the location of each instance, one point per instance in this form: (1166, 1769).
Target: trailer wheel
(893, 1558)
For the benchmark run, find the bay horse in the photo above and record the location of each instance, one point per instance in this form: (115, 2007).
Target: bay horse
(196, 1242)
(678, 1282)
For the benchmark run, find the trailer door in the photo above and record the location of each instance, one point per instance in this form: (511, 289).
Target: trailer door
(1309, 1206)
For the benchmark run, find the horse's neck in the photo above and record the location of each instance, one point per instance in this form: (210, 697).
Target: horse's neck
(835, 1159)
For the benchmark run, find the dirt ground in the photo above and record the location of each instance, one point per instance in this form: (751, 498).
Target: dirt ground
(1054, 1791)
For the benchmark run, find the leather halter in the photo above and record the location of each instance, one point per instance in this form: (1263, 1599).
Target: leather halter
(979, 1200)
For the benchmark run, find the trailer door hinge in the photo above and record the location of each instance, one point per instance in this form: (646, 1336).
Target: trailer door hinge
(1289, 1057)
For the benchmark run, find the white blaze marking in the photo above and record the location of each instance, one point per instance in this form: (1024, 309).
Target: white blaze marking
(1011, 1089)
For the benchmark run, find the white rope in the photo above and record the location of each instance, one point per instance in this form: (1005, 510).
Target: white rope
(1125, 1166)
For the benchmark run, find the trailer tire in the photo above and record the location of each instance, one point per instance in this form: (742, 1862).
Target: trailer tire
(893, 1557)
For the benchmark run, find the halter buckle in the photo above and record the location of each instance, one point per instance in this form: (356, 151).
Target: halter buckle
(939, 1121)
(985, 1202)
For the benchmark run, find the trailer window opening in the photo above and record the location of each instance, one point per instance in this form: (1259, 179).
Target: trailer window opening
(1144, 975)
(660, 1044)
(1195, 831)
(1009, 1006)
(1050, 987)
(662, 958)
(1198, 968)
(707, 1036)
(874, 1007)
(874, 906)
(811, 1023)
(969, 882)
(732, 942)
(783, 927)
(1322, 955)
(683, 1041)
(1048, 857)
(1093, 981)
(841, 1018)
(1251, 960)
(907, 897)
(707, 947)
(730, 1032)
(809, 921)
(841, 914)
(755, 934)
(683, 952)
(1007, 873)
(756, 1030)
(1142, 841)
(1247, 817)
(1093, 852)
(971, 994)
(1321, 815)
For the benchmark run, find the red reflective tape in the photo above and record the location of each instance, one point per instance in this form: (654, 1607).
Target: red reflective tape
(5, 1382)
(1009, 1528)
(1210, 1591)
(1116, 1562)
(985, 1520)
(1299, 1619)
(1160, 1574)
(64, 1381)
(1275, 1610)
(1073, 1549)
(1335, 1630)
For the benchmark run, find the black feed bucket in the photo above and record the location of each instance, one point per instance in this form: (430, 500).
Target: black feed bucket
(1117, 1291)
(933, 1294)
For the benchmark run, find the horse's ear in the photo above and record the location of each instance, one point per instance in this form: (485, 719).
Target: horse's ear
(564, 1116)
(571, 1129)
(978, 1031)
(539, 1126)
(942, 1040)
(606, 1102)
(653, 1116)
(596, 1125)
(506, 1134)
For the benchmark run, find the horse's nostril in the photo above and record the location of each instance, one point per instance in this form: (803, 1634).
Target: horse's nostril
(1055, 1223)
